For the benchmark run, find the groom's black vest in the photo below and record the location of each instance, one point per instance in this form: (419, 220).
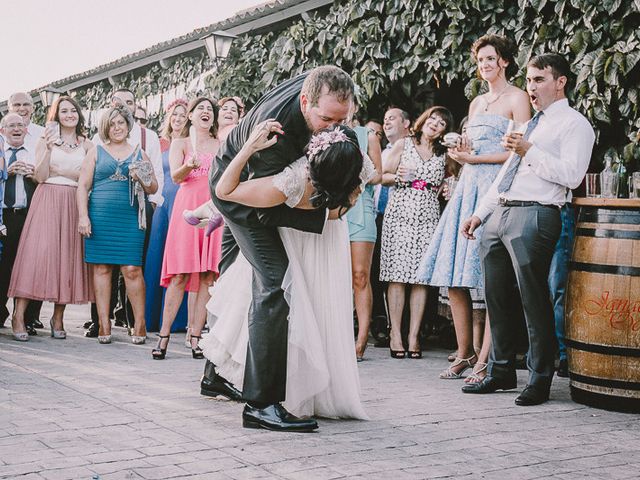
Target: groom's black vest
(282, 104)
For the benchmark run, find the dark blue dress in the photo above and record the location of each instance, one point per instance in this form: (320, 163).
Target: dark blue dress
(154, 301)
(116, 238)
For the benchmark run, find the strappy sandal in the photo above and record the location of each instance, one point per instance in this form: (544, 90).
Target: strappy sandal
(475, 374)
(415, 354)
(451, 374)
(159, 353)
(196, 352)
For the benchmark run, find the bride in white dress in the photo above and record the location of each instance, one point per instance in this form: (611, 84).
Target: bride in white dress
(322, 375)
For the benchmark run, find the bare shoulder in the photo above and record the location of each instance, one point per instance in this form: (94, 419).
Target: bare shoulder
(88, 145)
(179, 142)
(476, 103)
(517, 95)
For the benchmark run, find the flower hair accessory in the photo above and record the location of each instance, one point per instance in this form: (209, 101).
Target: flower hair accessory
(321, 141)
(174, 103)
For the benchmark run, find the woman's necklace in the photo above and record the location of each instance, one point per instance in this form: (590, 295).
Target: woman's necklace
(486, 108)
(70, 145)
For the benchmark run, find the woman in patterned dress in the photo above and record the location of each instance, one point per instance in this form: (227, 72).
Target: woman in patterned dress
(417, 163)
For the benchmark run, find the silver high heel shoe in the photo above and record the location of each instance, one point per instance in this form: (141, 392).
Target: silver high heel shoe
(104, 339)
(138, 339)
(19, 336)
(60, 334)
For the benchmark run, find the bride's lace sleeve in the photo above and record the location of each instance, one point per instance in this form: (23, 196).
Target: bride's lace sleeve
(292, 181)
(368, 170)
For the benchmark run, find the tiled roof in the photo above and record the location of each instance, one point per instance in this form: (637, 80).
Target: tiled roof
(241, 17)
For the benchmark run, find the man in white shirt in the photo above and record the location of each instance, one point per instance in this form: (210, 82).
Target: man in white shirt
(20, 186)
(521, 212)
(22, 104)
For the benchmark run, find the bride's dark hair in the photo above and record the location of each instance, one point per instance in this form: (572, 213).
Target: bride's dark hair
(334, 168)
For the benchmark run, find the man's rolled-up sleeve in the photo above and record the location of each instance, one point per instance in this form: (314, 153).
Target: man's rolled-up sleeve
(567, 169)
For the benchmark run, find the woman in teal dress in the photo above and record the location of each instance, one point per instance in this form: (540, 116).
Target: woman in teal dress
(451, 260)
(362, 236)
(109, 218)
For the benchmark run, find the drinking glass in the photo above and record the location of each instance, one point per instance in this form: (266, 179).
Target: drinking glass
(53, 128)
(452, 183)
(517, 128)
(411, 165)
(593, 185)
(634, 185)
(609, 182)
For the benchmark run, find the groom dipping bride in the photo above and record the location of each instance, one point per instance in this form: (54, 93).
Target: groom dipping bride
(281, 204)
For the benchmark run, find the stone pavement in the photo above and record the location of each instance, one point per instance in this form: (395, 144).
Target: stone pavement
(74, 409)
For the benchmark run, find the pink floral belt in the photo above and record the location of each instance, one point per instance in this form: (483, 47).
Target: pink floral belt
(417, 184)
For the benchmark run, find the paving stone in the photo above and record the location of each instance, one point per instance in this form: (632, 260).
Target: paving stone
(123, 416)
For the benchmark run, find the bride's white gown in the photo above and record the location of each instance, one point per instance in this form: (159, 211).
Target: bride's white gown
(322, 374)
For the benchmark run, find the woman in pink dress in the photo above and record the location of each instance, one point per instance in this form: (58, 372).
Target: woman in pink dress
(49, 265)
(190, 259)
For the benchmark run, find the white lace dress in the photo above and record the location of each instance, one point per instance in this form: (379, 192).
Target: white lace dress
(322, 374)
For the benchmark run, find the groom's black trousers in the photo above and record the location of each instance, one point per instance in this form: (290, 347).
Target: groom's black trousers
(266, 364)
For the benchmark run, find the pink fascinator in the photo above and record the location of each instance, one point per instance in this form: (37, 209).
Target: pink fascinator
(324, 140)
(177, 101)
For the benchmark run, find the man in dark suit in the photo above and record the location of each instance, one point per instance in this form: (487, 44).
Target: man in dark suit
(20, 160)
(302, 105)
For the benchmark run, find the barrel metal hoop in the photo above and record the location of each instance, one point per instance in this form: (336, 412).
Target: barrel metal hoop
(604, 382)
(608, 269)
(603, 349)
(604, 215)
(608, 233)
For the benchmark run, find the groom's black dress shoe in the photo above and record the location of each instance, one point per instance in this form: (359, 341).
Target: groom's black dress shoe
(219, 386)
(532, 395)
(275, 417)
(489, 384)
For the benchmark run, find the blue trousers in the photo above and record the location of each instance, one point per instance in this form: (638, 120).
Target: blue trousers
(559, 271)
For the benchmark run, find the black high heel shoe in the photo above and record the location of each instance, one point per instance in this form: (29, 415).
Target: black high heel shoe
(397, 353)
(196, 352)
(159, 353)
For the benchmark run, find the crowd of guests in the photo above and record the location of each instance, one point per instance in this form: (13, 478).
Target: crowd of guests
(107, 220)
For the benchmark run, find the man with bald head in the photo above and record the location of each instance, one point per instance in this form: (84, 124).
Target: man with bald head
(22, 104)
(20, 161)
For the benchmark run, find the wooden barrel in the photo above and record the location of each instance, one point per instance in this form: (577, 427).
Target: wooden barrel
(602, 311)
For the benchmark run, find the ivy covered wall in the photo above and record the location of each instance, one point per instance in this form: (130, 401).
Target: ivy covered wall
(411, 53)
(400, 51)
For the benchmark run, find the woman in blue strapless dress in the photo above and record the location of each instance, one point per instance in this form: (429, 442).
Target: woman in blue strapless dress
(175, 119)
(451, 260)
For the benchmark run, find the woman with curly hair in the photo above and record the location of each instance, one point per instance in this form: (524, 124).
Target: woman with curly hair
(322, 376)
(451, 260)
